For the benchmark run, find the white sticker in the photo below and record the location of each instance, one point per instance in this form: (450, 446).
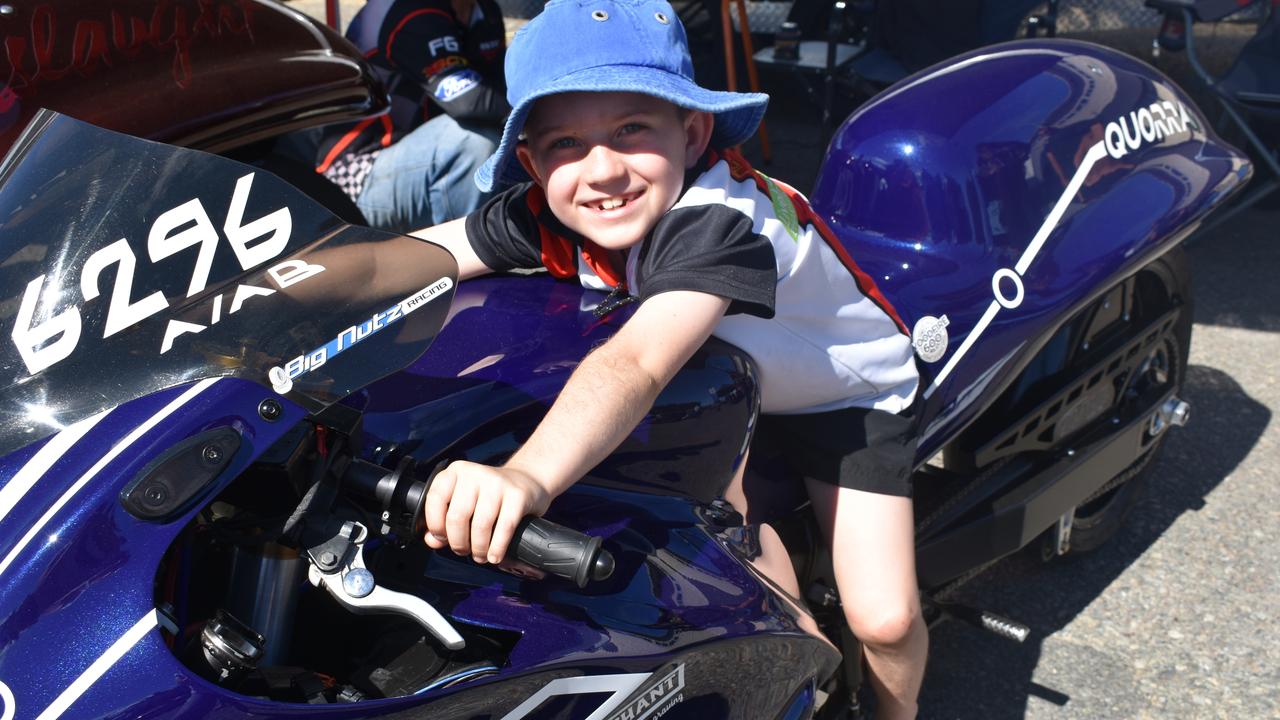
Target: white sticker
(929, 337)
(457, 84)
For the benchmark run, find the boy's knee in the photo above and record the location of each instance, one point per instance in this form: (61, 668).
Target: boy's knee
(885, 626)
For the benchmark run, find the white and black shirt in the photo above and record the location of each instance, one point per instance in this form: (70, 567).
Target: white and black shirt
(823, 336)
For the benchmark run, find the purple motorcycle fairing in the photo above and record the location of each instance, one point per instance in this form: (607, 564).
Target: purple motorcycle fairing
(1006, 184)
(680, 598)
(82, 574)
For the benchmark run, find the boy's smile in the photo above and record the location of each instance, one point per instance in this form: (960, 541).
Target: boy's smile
(611, 164)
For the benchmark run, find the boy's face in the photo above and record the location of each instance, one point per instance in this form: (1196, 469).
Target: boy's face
(611, 163)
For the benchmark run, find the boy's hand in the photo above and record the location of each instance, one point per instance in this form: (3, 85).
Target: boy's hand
(474, 509)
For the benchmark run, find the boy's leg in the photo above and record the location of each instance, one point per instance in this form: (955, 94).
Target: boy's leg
(773, 560)
(872, 540)
(857, 466)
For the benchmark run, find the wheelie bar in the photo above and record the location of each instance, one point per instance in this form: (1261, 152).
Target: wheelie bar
(540, 543)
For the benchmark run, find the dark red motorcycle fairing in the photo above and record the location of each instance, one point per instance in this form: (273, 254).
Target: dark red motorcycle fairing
(209, 74)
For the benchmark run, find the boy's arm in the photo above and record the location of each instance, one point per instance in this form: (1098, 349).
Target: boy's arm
(453, 237)
(474, 509)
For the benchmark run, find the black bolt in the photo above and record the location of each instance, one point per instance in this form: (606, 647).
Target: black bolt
(212, 454)
(154, 495)
(270, 410)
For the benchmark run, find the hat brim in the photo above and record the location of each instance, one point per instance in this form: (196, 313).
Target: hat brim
(737, 115)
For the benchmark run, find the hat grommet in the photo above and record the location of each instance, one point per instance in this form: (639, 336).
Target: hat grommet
(599, 15)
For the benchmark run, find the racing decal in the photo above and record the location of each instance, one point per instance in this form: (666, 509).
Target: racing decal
(620, 687)
(1157, 121)
(111, 454)
(1006, 283)
(282, 377)
(100, 666)
(184, 228)
(457, 84)
(35, 468)
(7, 704)
(654, 701)
(1145, 125)
(929, 337)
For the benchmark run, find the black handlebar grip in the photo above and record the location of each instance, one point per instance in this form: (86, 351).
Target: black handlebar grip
(560, 551)
(538, 543)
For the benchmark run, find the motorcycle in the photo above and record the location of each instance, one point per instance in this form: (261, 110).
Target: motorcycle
(215, 442)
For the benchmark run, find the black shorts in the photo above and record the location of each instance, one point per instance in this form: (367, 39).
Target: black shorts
(858, 448)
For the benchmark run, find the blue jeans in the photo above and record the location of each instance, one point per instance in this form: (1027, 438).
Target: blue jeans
(426, 177)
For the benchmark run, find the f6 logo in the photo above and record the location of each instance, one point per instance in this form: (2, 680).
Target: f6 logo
(448, 43)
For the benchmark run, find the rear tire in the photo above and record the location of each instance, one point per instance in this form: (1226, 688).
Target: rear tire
(1099, 518)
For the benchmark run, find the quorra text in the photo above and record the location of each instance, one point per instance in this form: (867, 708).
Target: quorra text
(1146, 125)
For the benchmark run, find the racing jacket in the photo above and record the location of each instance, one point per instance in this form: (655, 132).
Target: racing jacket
(431, 62)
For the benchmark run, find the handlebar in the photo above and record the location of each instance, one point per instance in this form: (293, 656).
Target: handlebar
(539, 543)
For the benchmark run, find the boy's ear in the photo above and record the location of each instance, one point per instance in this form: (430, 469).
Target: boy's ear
(697, 126)
(526, 161)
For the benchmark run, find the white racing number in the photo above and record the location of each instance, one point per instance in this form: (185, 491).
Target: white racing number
(44, 344)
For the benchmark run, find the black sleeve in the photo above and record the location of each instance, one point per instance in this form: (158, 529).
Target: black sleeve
(429, 47)
(504, 233)
(711, 249)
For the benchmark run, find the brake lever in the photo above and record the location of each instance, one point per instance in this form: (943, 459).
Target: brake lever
(352, 584)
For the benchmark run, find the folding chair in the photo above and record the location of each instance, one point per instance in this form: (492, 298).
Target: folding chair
(1250, 88)
(814, 57)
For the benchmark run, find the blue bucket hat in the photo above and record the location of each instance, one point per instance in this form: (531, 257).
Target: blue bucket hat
(609, 46)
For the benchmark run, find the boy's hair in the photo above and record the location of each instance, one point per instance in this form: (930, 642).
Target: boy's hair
(609, 46)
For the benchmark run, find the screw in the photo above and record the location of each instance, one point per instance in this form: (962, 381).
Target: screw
(327, 558)
(154, 495)
(358, 583)
(212, 454)
(270, 410)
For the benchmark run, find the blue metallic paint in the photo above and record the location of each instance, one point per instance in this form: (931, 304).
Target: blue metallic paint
(944, 179)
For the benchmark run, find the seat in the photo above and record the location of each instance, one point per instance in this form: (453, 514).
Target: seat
(1249, 91)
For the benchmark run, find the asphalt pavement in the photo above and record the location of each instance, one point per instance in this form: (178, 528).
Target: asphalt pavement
(1177, 616)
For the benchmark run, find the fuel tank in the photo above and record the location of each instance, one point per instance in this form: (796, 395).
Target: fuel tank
(993, 196)
(208, 74)
(502, 358)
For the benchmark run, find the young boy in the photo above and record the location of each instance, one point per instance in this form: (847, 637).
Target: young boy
(632, 189)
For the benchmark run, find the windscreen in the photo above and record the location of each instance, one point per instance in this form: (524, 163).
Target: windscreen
(128, 266)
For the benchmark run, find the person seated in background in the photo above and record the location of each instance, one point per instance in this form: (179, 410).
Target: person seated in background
(441, 62)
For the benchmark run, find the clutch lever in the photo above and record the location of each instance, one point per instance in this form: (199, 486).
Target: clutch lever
(338, 566)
